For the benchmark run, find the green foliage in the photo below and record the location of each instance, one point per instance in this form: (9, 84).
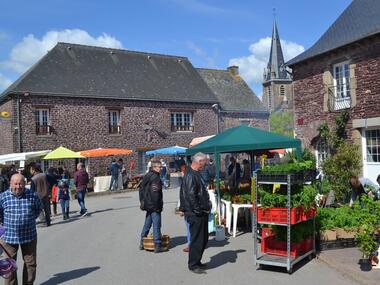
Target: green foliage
(282, 123)
(340, 167)
(289, 167)
(344, 217)
(298, 233)
(335, 137)
(304, 196)
(369, 222)
(364, 218)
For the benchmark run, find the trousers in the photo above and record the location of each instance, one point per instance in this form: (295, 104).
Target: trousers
(198, 237)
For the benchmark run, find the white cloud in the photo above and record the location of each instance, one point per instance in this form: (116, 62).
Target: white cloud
(210, 62)
(31, 49)
(4, 82)
(251, 67)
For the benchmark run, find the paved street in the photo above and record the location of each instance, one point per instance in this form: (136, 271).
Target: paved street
(103, 249)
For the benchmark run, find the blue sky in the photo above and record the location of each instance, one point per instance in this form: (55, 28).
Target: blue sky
(212, 34)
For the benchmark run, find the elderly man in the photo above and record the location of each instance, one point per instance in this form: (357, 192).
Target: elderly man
(19, 208)
(195, 203)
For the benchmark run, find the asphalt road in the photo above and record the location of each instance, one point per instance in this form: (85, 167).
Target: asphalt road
(103, 249)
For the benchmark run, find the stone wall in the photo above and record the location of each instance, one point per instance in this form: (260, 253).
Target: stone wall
(7, 127)
(313, 77)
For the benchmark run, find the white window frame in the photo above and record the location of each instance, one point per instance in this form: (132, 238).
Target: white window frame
(368, 144)
(341, 80)
(322, 151)
(181, 121)
(114, 120)
(42, 119)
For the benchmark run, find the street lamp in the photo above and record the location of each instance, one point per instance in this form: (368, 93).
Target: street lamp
(217, 110)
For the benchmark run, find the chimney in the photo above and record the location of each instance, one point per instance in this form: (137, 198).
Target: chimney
(234, 70)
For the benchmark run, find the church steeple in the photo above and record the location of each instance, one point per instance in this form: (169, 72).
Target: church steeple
(275, 68)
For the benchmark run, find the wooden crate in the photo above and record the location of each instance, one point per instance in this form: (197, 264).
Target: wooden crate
(148, 242)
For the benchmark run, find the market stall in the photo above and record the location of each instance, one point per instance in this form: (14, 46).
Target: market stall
(248, 140)
(22, 157)
(102, 183)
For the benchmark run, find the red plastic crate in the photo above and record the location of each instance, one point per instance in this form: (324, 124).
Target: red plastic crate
(280, 215)
(309, 214)
(272, 246)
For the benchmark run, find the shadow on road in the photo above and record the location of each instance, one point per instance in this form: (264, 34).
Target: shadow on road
(177, 241)
(214, 243)
(223, 258)
(69, 275)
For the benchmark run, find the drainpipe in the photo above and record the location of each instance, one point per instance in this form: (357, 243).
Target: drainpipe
(19, 122)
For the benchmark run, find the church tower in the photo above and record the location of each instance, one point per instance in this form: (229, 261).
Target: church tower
(277, 85)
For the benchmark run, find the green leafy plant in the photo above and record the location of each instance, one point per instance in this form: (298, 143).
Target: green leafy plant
(298, 233)
(282, 123)
(338, 169)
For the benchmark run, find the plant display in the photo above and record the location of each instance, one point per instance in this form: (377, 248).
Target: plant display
(298, 233)
(344, 217)
(303, 196)
(340, 167)
(289, 167)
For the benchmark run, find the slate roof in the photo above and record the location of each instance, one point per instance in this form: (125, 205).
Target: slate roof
(276, 58)
(231, 91)
(94, 72)
(360, 20)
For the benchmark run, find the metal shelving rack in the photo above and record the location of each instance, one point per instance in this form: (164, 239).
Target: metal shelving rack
(270, 259)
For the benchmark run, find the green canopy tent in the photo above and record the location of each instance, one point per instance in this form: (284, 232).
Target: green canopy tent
(242, 139)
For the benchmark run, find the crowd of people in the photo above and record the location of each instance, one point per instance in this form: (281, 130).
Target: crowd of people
(23, 200)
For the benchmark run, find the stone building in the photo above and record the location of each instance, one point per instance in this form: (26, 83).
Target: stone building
(277, 84)
(85, 97)
(238, 104)
(341, 71)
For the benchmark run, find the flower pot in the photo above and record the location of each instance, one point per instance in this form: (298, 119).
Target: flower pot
(365, 264)
(328, 235)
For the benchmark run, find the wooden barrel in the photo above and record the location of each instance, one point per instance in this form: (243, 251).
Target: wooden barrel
(148, 242)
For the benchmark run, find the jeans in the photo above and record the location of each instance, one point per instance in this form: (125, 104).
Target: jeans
(65, 208)
(29, 253)
(155, 219)
(114, 180)
(187, 231)
(80, 197)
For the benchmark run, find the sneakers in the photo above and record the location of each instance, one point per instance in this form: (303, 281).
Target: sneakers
(84, 214)
(202, 265)
(141, 246)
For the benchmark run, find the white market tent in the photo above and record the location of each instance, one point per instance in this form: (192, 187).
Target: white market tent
(22, 156)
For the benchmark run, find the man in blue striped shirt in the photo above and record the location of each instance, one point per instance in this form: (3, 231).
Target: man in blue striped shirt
(19, 208)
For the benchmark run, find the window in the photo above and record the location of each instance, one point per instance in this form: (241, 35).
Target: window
(322, 151)
(282, 90)
(342, 86)
(42, 122)
(182, 121)
(114, 122)
(373, 145)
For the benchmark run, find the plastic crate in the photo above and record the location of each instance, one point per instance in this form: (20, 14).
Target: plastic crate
(299, 177)
(280, 215)
(272, 246)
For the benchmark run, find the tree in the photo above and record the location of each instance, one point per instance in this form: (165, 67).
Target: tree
(282, 123)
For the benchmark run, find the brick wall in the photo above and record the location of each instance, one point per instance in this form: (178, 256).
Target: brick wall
(81, 124)
(311, 79)
(229, 120)
(7, 130)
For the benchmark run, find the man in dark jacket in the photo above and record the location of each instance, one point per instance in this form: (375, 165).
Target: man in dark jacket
(195, 202)
(81, 180)
(40, 185)
(150, 195)
(114, 169)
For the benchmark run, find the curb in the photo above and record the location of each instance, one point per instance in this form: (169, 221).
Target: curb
(346, 273)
